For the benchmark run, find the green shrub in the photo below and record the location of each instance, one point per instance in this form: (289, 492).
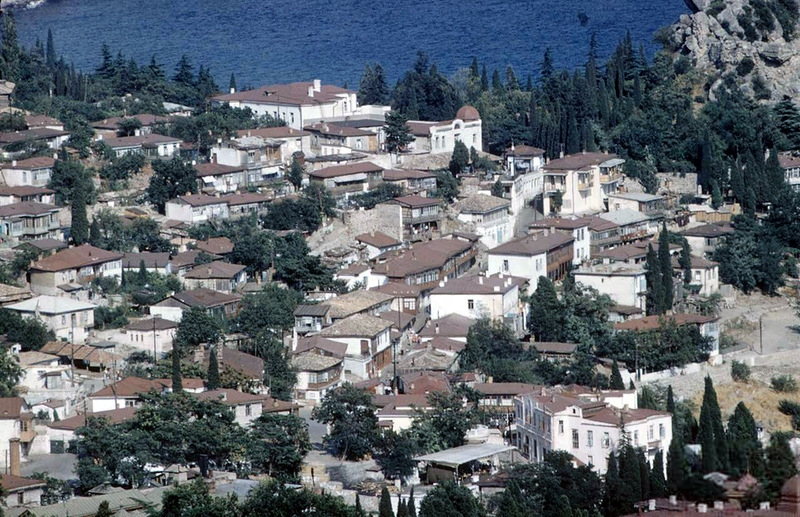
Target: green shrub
(740, 371)
(784, 384)
(745, 66)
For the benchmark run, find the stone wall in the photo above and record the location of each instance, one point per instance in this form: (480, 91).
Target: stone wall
(382, 218)
(677, 183)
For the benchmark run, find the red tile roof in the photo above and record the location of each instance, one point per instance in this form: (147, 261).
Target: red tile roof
(336, 171)
(39, 162)
(72, 258)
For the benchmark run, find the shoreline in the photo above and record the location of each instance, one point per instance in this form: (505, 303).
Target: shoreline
(22, 4)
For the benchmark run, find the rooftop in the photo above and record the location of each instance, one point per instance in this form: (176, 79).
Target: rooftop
(561, 223)
(624, 217)
(415, 201)
(273, 132)
(524, 151)
(653, 322)
(216, 245)
(406, 174)
(533, 244)
(217, 269)
(78, 257)
(145, 140)
(641, 197)
(26, 208)
(320, 343)
(578, 161)
(465, 454)
(356, 301)
(479, 284)
(38, 162)
(377, 239)
(313, 362)
(114, 416)
(709, 230)
(215, 169)
(150, 259)
(422, 256)
(157, 323)
(292, 94)
(47, 304)
(205, 298)
(357, 325)
(481, 204)
(336, 171)
(452, 325)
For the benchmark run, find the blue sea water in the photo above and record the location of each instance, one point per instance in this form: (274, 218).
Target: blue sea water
(266, 41)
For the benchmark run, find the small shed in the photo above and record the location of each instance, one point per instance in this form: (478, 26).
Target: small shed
(467, 461)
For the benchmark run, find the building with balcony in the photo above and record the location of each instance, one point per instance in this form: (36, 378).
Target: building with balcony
(368, 343)
(197, 208)
(638, 201)
(490, 217)
(29, 220)
(425, 264)
(69, 319)
(21, 193)
(441, 137)
(584, 181)
(420, 216)
(578, 227)
(603, 234)
(346, 180)
(246, 203)
(80, 265)
(589, 426)
(219, 276)
(318, 362)
(292, 140)
(333, 138)
(215, 303)
(523, 159)
(151, 145)
(31, 171)
(632, 225)
(790, 163)
(261, 158)
(543, 253)
(413, 181)
(221, 178)
(311, 318)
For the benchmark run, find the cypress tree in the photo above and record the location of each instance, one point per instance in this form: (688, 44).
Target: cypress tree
(402, 511)
(410, 506)
(644, 475)
(177, 382)
(474, 69)
(484, 80)
(706, 438)
(716, 195)
(685, 262)
(780, 464)
(612, 502)
(546, 66)
(630, 475)
(94, 234)
(497, 84)
(232, 84)
(744, 447)
(712, 433)
(213, 370)
(647, 399)
(665, 262)
(704, 178)
(658, 485)
(546, 316)
(51, 57)
(142, 276)
(80, 223)
(655, 285)
(676, 465)
(637, 90)
(511, 79)
(737, 181)
(573, 134)
(385, 504)
(774, 175)
(615, 381)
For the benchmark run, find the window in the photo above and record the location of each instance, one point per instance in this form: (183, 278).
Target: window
(292, 117)
(63, 319)
(364, 346)
(650, 432)
(575, 440)
(505, 266)
(21, 498)
(248, 410)
(474, 138)
(589, 438)
(130, 403)
(606, 441)
(636, 437)
(591, 460)
(560, 427)
(471, 304)
(23, 426)
(662, 432)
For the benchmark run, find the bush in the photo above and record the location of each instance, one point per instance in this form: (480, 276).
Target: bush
(682, 65)
(726, 341)
(745, 66)
(788, 407)
(784, 384)
(760, 88)
(740, 371)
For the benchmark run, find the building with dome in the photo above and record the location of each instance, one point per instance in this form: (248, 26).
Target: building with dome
(441, 136)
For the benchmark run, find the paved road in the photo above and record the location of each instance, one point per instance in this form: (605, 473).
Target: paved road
(59, 466)
(315, 430)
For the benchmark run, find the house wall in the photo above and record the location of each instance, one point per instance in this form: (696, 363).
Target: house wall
(143, 339)
(623, 289)
(20, 177)
(244, 414)
(30, 497)
(97, 404)
(360, 365)
(179, 211)
(494, 306)
(9, 428)
(701, 246)
(495, 227)
(530, 267)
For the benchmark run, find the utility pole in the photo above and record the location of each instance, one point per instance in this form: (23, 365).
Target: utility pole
(155, 351)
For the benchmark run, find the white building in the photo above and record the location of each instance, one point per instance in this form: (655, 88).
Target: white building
(705, 275)
(246, 407)
(71, 266)
(197, 208)
(577, 227)
(584, 181)
(626, 284)
(587, 426)
(441, 137)
(368, 343)
(318, 362)
(296, 104)
(151, 145)
(531, 256)
(523, 159)
(377, 243)
(790, 164)
(127, 392)
(261, 158)
(704, 239)
(494, 296)
(69, 319)
(490, 217)
(292, 140)
(151, 334)
(32, 171)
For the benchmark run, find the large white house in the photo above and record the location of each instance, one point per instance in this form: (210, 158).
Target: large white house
(577, 227)
(547, 254)
(32, 171)
(367, 338)
(587, 425)
(626, 284)
(69, 319)
(74, 265)
(296, 104)
(441, 136)
(583, 180)
(489, 216)
(494, 296)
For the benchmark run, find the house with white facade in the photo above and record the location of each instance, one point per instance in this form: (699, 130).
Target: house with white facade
(334, 138)
(69, 319)
(16, 433)
(494, 296)
(626, 284)
(638, 201)
(413, 181)
(523, 159)
(547, 254)
(110, 127)
(151, 145)
(127, 393)
(151, 334)
(453, 327)
(349, 179)
(705, 275)
(246, 407)
(441, 136)
(80, 265)
(26, 193)
(704, 239)
(578, 227)
(296, 104)
(221, 178)
(584, 181)
(62, 432)
(368, 343)
(197, 208)
(29, 220)
(31, 171)
(292, 140)
(53, 138)
(490, 217)
(377, 243)
(219, 276)
(261, 158)
(587, 426)
(420, 216)
(319, 365)
(790, 163)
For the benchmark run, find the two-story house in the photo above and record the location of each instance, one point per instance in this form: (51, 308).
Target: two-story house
(345, 180)
(626, 284)
(221, 305)
(111, 126)
(790, 163)
(583, 181)
(638, 201)
(31, 171)
(333, 138)
(217, 275)
(318, 362)
(261, 158)
(377, 243)
(368, 343)
(292, 140)
(708, 326)
(69, 319)
(22, 193)
(704, 239)
(494, 296)
(197, 208)
(311, 318)
(523, 159)
(578, 227)
(151, 334)
(704, 275)
(80, 264)
(52, 138)
(246, 407)
(490, 217)
(543, 253)
(413, 181)
(420, 216)
(441, 136)
(29, 220)
(127, 393)
(222, 178)
(151, 145)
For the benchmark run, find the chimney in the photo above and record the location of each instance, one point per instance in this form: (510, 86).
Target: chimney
(719, 505)
(13, 163)
(651, 505)
(317, 85)
(310, 91)
(702, 508)
(14, 467)
(436, 329)
(480, 280)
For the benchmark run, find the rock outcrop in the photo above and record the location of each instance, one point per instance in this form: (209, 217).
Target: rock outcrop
(714, 39)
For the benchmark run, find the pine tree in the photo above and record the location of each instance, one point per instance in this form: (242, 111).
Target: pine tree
(104, 510)
(665, 260)
(184, 74)
(655, 285)
(612, 501)
(385, 504)
(497, 188)
(685, 262)
(546, 66)
(213, 370)
(402, 511)
(658, 485)
(51, 57)
(676, 465)
(232, 83)
(789, 121)
(296, 174)
(177, 381)
(411, 507)
(615, 381)
(79, 233)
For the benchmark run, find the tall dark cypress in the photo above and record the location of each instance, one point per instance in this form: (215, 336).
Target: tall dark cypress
(712, 432)
(213, 370)
(50, 56)
(79, 232)
(612, 501)
(676, 465)
(658, 485)
(573, 134)
(655, 285)
(615, 382)
(232, 83)
(665, 262)
(177, 381)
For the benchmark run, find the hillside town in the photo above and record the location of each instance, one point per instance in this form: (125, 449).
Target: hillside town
(309, 299)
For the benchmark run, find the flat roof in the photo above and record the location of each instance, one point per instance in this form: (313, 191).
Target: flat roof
(465, 454)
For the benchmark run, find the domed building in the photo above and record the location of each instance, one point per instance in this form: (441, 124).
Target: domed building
(441, 136)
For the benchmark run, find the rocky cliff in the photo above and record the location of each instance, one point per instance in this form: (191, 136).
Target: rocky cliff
(756, 40)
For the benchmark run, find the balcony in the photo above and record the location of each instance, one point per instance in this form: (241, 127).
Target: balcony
(610, 178)
(586, 185)
(421, 219)
(551, 188)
